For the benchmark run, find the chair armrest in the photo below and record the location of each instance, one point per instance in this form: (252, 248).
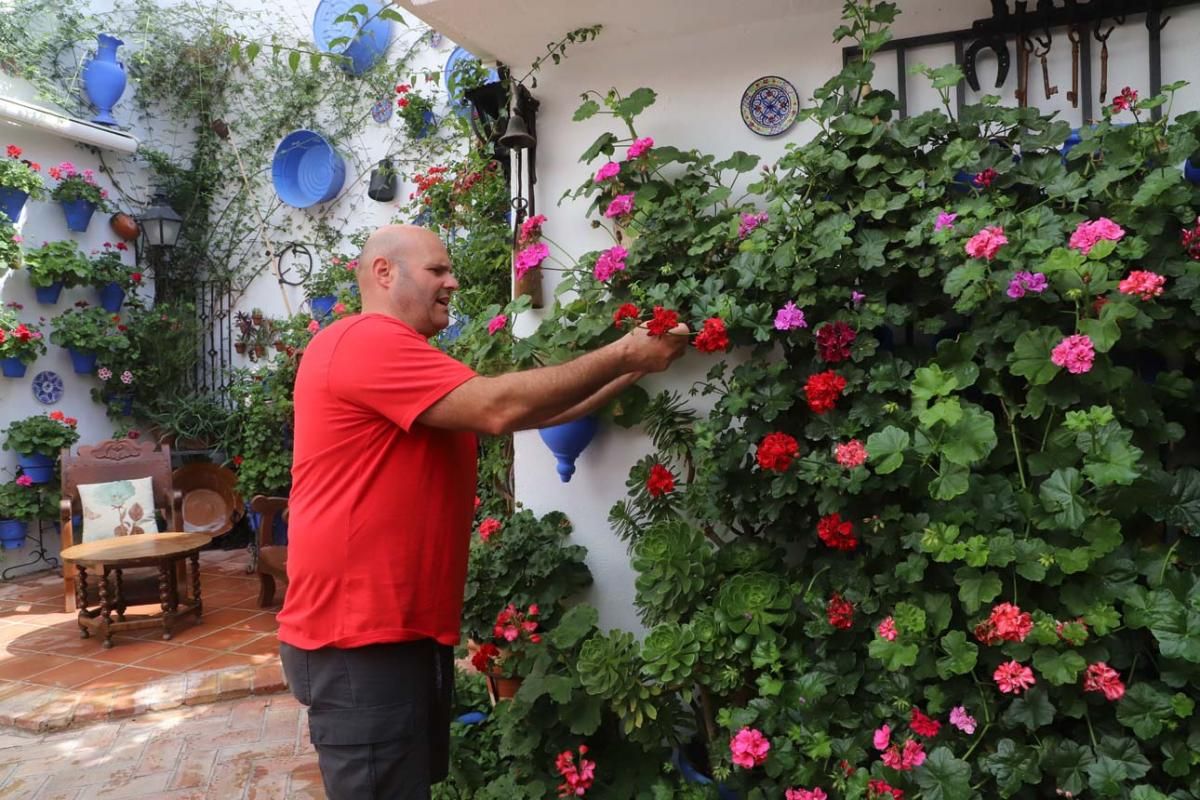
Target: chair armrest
(268, 507)
(176, 510)
(66, 526)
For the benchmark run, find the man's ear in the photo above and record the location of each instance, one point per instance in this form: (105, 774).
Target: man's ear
(381, 272)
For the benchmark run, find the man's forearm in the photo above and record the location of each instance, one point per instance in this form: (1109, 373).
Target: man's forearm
(593, 403)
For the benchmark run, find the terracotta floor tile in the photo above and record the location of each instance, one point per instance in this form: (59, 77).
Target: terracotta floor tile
(124, 676)
(230, 660)
(22, 667)
(72, 674)
(227, 639)
(265, 645)
(224, 617)
(265, 622)
(250, 601)
(132, 651)
(183, 658)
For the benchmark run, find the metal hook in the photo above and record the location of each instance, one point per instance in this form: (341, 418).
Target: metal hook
(1096, 33)
(1044, 45)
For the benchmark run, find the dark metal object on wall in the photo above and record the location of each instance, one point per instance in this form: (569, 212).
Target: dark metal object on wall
(214, 312)
(296, 262)
(382, 188)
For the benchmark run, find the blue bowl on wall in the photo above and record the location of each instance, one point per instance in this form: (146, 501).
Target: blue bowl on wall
(307, 170)
(370, 42)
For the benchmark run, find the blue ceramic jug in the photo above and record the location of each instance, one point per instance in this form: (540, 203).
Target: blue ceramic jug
(104, 78)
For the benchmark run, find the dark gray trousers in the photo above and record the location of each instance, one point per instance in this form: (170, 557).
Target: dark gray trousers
(379, 716)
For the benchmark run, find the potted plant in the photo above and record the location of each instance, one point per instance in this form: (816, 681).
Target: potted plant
(87, 333)
(78, 194)
(417, 112)
(19, 504)
(322, 288)
(19, 181)
(111, 276)
(10, 244)
(256, 316)
(56, 265)
(190, 421)
(20, 343)
(37, 441)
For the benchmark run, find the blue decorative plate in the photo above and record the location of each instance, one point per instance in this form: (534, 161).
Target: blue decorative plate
(47, 387)
(381, 112)
(770, 106)
(456, 60)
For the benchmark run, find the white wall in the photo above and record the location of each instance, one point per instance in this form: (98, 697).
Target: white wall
(700, 80)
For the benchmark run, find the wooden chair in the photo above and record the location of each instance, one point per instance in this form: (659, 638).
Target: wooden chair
(270, 559)
(112, 460)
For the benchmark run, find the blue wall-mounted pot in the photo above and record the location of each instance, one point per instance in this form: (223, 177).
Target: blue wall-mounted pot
(567, 441)
(11, 202)
(38, 467)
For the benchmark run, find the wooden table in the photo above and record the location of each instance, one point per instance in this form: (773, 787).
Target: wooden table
(161, 550)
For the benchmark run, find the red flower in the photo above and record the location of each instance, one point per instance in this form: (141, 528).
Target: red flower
(877, 789)
(133, 434)
(840, 612)
(626, 311)
(663, 321)
(834, 341)
(489, 528)
(1124, 100)
(1100, 677)
(403, 88)
(661, 481)
(402, 102)
(237, 461)
(14, 151)
(122, 246)
(136, 277)
(1190, 239)
(922, 725)
(58, 415)
(836, 533)
(823, 390)
(776, 451)
(71, 421)
(35, 166)
(1007, 623)
(984, 179)
(484, 656)
(713, 338)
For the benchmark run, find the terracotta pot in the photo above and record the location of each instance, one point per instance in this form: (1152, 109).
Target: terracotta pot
(240, 347)
(124, 225)
(501, 688)
(280, 346)
(260, 350)
(257, 319)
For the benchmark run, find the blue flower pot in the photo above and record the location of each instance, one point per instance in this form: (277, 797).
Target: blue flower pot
(78, 213)
(123, 401)
(370, 42)
(1191, 171)
(84, 363)
(12, 533)
(567, 441)
(12, 367)
(111, 297)
(104, 78)
(471, 718)
(38, 467)
(48, 294)
(11, 202)
(323, 305)
(306, 169)
(693, 775)
(430, 124)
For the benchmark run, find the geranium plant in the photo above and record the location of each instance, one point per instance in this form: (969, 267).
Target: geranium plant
(107, 267)
(90, 329)
(416, 110)
(60, 261)
(42, 433)
(20, 340)
(21, 174)
(20, 500)
(10, 244)
(329, 279)
(73, 184)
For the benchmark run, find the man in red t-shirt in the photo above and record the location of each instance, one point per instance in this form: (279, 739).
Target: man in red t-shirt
(383, 487)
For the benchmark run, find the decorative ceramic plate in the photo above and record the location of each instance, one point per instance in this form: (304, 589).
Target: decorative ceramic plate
(770, 106)
(381, 112)
(47, 387)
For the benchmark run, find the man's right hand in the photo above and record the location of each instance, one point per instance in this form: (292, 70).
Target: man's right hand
(646, 353)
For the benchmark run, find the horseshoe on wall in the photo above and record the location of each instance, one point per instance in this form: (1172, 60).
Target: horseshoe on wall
(997, 46)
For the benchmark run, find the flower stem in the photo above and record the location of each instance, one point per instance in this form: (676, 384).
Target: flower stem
(1012, 429)
(975, 743)
(814, 580)
(1088, 719)
(1162, 574)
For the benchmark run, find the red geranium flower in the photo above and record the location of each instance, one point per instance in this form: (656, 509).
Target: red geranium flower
(663, 321)
(834, 341)
(484, 657)
(823, 390)
(14, 151)
(661, 481)
(836, 533)
(984, 179)
(922, 725)
(776, 451)
(713, 338)
(626, 311)
(840, 612)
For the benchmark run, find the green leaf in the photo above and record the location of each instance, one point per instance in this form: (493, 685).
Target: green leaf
(960, 657)
(1183, 509)
(1104, 334)
(1126, 752)
(739, 162)
(1060, 497)
(975, 588)
(1059, 668)
(893, 655)
(852, 125)
(577, 623)
(1033, 710)
(1106, 776)
(235, 51)
(1154, 184)
(1145, 709)
(637, 102)
(952, 480)
(909, 618)
(886, 449)
(1030, 357)
(944, 777)
(1178, 761)
(294, 61)
(603, 144)
(1013, 766)
(252, 51)
(586, 110)
(972, 439)
(1147, 793)
(1068, 761)
(930, 382)
(392, 14)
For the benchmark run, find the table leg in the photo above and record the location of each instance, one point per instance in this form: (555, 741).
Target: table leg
(119, 605)
(106, 610)
(195, 559)
(165, 576)
(81, 598)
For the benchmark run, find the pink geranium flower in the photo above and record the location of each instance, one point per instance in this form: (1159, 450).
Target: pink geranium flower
(1075, 353)
(960, 719)
(750, 222)
(1143, 284)
(610, 262)
(851, 454)
(944, 220)
(805, 794)
(1100, 677)
(496, 324)
(1013, 677)
(1088, 233)
(882, 737)
(639, 147)
(887, 629)
(749, 748)
(24, 480)
(530, 257)
(313, 326)
(621, 205)
(789, 317)
(986, 243)
(609, 170)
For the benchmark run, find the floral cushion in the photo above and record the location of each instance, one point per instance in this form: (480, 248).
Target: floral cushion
(118, 508)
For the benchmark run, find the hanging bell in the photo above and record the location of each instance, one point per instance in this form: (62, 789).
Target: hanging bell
(382, 188)
(516, 134)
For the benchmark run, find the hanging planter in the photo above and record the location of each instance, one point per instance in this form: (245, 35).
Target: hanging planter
(12, 202)
(501, 688)
(38, 467)
(382, 188)
(112, 296)
(78, 213)
(83, 361)
(322, 306)
(1191, 170)
(48, 294)
(12, 533)
(567, 441)
(12, 367)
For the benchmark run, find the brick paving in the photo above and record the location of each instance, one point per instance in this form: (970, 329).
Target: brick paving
(50, 679)
(255, 748)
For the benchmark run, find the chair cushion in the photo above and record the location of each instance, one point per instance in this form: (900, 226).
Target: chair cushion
(117, 508)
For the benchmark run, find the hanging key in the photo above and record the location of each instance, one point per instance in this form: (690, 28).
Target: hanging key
(1024, 48)
(1042, 53)
(1073, 95)
(1103, 40)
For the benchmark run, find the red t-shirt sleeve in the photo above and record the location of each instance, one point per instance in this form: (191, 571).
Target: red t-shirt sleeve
(390, 369)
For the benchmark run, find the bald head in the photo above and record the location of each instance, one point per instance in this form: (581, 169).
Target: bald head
(404, 271)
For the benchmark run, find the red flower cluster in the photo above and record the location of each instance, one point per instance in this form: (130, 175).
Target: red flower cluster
(1124, 101)
(13, 151)
(58, 416)
(776, 451)
(237, 460)
(840, 612)
(878, 788)
(427, 180)
(823, 390)
(577, 778)
(836, 533)
(511, 623)
(1190, 239)
(984, 179)
(663, 321)
(489, 528)
(922, 725)
(485, 657)
(1007, 623)
(660, 481)
(713, 337)
(1100, 677)
(834, 341)
(626, 311)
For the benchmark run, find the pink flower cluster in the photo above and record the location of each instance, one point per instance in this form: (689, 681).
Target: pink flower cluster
(621, 205)
(749, 748)
(610, 262)
(531, 229)
(986, 243)
(532, 256)
(1075, 353)
(639, 148)
(497, 324)
(1023, 282)
(960, 719)
(1087, 234)
(789, 317)
(851, 454)
(805, 794)
(945, 220)
(750, 222)
(1013, 677)
(887, 629)
(489, 528)
(609, 170)
(577, 777)
(1143, 283)
(1100, 677)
